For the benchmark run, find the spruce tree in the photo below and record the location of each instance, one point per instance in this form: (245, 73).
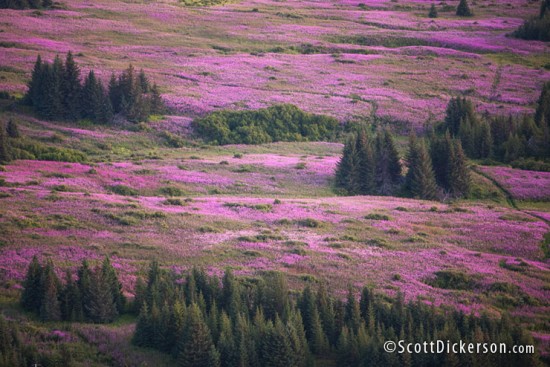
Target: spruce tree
(388, 167)
(440, 150)
(12, 129)
(433, 11)
(196, 341)
(485, 141)
(71, 89)
(422, 179)
(84, 284)
(366, 172)
(31, 297)
(276, 347)
(463, 9)
(5, 150)
(34, 85)
(50, 308)
(101, 307)
(157, 105)
(347, 168)
(143, 81)
(110, 277)
(459, 175)
(52, 108)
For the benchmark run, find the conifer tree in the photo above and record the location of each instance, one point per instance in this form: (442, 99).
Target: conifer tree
(433, 11)
(110, 277)
(463, 9)
(388, 167)
(71, 89)
(485, 141)
(33, 91)
(5, 150)
(459, 175)
(84, 284)
(366, 173)
(12, 129)
(143, 335)
(422, 182)
(440, 150)
(101, 307)
(50, 309)
(348, 166)
(31, 298)
(276, 347)
(196, 341)
(143, 81)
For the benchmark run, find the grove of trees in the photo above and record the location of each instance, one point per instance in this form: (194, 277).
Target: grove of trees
(538, 27)
(56, 92)
(95, 296)
(203, 321)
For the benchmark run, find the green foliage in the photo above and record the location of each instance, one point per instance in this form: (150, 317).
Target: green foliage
(25, 4)
(55, 92)
(451, 279)
(369, 165)
(463, 9)
(433, 12)
(256, 322)
(376, 216)
(5, 148)
(420, 177)
(96, 296)
(545, 245)
(123, 190)
(272, 124)
(536, 28)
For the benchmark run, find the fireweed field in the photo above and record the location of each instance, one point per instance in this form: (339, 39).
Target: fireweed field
(154, 190)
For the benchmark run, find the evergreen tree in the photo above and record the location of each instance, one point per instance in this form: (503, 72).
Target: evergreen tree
(459, 175)
(157, 105)
(433, 11)
(5, 150)
(422, 179)
(84, 284)
(50, 309)
(143, 81)
(71, 89)
(101, 307)
(31, 298)
(276, 347)
(485, 141)
(196, 341)
(111, 280)
(347, 168)
(388, 167)
(440, 150)
(12, 129)
(143, 335)
(34, 87)
(366, 173)
(463, 9)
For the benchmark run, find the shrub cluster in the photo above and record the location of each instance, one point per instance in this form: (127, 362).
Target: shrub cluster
(277, 123)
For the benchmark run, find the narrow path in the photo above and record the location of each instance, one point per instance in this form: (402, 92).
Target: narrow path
(508, 195)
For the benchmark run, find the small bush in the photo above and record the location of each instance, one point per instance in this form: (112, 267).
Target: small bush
(171, 191)
(376, 216)
(123, 190)
(453, 279)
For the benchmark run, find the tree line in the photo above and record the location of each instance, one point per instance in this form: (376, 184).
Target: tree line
(95, 296)
(371, 165)
(276, 123)
(538, 27)
(259, 322)
(501, 138)
(25, 4)
(56, 92)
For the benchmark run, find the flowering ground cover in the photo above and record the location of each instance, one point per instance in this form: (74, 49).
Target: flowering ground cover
(154, 191)
(337, 58)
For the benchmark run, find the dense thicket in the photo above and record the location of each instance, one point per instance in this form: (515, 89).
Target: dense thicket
(536, 28)
(95, 296)
(370, 165)
(56, 92)
(277, 123)
(501, 138)
(242, 322)
(25, 4)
